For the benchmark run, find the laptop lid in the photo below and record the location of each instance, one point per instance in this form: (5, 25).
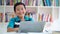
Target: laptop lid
(29, 26)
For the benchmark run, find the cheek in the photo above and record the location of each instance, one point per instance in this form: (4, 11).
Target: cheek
(23, 12)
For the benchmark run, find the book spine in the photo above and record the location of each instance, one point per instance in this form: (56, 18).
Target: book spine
(40, 2)
(38, 17)
(7, 2)
(48, 3)
(0, 2)
(6, 17)
(26, 2)
(11, 2)
(1, 17)
(30, 2)
(57, 2)
(43, 2)
(42, 17)
(36, 3)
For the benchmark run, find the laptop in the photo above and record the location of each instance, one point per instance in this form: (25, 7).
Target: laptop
(29, 26)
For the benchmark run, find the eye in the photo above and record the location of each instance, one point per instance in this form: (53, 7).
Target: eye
(18, 9)
(21, 8)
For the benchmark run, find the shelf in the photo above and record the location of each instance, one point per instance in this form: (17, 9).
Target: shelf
(34, 6)
(26, 6)
(37, 9)
(1, 5)
(31, 6)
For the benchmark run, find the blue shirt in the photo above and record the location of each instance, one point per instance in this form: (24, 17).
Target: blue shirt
(17, 20)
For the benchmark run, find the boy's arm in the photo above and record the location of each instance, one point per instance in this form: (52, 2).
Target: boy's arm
(10, 27)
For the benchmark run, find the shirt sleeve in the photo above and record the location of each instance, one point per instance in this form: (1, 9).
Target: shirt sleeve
(11, 23)
(31, 19)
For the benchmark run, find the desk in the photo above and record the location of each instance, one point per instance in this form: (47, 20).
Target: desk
(56, 32)
(4, 30)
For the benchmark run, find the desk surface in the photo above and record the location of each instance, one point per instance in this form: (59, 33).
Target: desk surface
(26, 33)
(3, 28)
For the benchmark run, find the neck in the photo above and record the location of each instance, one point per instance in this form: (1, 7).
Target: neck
(21, 17)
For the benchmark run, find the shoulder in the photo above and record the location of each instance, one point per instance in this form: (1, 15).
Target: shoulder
(28, 18)
(12, 19)
(15, 19)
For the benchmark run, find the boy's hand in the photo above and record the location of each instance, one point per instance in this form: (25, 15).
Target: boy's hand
(16, 29)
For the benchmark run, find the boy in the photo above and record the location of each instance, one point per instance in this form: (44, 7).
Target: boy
(20, 10)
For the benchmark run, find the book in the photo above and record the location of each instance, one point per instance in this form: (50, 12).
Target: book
(42, 17)
(57, 2)
(7, 2)
(43, 3)
(26, 2)
(36, 4)
(11, 2)
(40, 3)
(6, 17)
(0, 2)
(48, 2)
(1, 17)
(30, 2)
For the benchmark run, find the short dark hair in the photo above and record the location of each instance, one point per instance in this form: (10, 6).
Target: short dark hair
(19, 3)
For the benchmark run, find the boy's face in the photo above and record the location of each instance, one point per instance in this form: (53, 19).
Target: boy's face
(20, 10)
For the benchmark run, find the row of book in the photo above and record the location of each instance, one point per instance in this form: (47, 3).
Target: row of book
(46, 18)
(26, 2)
(41, 17)
(31, 2)
(45, 2)
(1, 17)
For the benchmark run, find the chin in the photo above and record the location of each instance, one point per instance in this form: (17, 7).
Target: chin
(21, 15)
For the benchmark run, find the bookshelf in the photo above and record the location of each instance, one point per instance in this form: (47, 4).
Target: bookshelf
(36, 7)
(44, 14)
